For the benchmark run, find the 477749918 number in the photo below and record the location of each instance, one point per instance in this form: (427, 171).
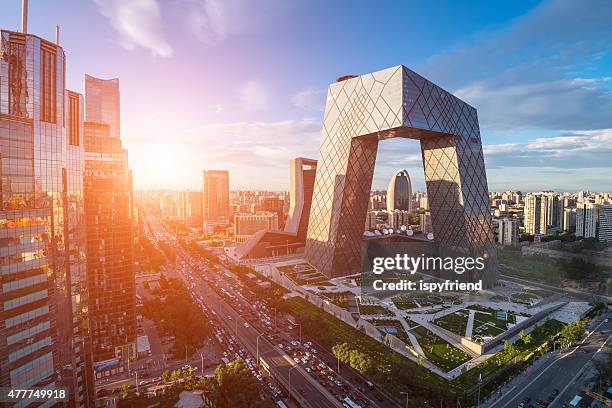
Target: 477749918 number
(40, 394)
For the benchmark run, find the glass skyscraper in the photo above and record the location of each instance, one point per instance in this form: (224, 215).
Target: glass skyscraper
(397, 102)
(44, 338)
(215, 197)
(108, 209)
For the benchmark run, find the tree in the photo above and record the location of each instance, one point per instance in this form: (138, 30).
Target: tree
(229, 378)
(574, 331)
(604, 368)
(166, 376)
(359, 361)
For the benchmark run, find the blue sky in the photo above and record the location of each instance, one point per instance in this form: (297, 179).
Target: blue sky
(240, 84)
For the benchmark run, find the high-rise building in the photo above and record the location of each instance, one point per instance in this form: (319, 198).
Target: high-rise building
(507, 231)
(587, 215)
(605, 223)
(403, 104)
(194, 209)
(398, 218)
(276, 205)
(399, 192)
(569, 220)
(215, 198)
(303, 173)
(102, 103)
(246, 225)
(108, 210)
(533, 213)
(44, 338)
(425, 222)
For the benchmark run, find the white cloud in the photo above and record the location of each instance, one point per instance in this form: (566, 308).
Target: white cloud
(253, 96)
(213, 21)
(583, 150)
(138, 23)
(528, 73)
(310, 99)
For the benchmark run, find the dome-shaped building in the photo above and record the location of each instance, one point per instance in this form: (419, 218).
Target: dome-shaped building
(399, 192)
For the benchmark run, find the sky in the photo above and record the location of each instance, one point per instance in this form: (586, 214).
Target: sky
(240, 84)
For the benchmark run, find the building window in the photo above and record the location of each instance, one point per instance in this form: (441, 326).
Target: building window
(48, 108)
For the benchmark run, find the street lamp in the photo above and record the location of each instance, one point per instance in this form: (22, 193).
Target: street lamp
(257, 342)
(295, 366)
(300, 324)
(406, 394)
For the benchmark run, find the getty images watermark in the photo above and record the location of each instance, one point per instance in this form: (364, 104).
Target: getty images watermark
(403, 263)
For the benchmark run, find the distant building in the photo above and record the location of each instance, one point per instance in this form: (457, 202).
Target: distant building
(425, 222)
(605, 223)
(569, 220)
(424, 203)
(215, 198)
(276, 205)
(543, 213)
(507, 231)
(398, 218)
(193, 215)
(587, 215)
(246, 225)
(399, 192)
(303, 172)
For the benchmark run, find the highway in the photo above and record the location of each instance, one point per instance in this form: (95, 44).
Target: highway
(305, 390)
(549, 380)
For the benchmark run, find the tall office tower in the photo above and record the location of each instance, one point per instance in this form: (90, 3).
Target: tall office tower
(533, 213)
(425, 222)
(398, 218)
(605, 223)
(102, 103)
(507, 231)
(246, 225)
(370, 222)
(303, 173)
(277, 206)
(587, 215)
(215, 198)
(194, 209)
(399, 192)
(423, 203)
(551, 219)
(43, 297)
(569, 220)
(108, 211)
(401, 103)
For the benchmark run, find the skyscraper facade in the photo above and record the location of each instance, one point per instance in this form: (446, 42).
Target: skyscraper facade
(303, 173)
(102, 103)
(605, 223)
(399, 192)
(110, 258)
(246, 225)
(44, 340)
(587, 215)
(397, 102)
(215, 198)
(194, 209)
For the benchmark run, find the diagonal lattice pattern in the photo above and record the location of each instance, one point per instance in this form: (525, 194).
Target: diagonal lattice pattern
(396, 102)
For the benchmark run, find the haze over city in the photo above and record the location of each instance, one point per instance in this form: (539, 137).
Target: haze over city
(222, 84)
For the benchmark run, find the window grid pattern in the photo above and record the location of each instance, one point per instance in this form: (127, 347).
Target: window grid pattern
(396, 102)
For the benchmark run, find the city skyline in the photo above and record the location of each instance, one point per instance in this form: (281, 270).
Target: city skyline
(543, 107)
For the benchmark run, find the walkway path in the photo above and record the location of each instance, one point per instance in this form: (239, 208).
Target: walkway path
(470, 324)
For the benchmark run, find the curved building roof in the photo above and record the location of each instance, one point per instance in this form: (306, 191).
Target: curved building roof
(399, 192)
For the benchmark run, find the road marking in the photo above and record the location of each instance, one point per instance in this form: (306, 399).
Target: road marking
(551, 364)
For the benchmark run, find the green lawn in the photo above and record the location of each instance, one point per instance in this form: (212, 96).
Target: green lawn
(454, 322)
(439, 351)
(374, 310)
(401, 333)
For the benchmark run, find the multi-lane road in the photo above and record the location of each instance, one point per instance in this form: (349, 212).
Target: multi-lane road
(302, 386)
(553, 378)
